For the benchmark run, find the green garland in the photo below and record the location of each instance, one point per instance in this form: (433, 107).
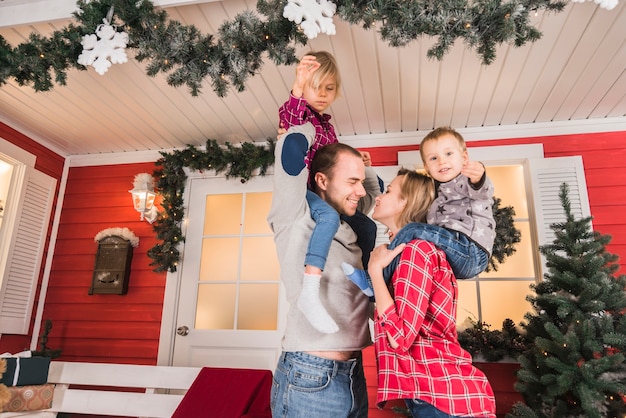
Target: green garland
(188, 56)
(244, 162)
(241, 162)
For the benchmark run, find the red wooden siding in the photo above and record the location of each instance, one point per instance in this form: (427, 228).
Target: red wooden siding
(103, 328)
(50, 163)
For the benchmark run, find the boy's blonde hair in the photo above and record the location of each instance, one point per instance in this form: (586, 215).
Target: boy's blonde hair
(438, 133)
(418, 190)
(328, 68)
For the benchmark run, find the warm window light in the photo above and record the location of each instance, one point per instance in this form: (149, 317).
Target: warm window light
(143, 197)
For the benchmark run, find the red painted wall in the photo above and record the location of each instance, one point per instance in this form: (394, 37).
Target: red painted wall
(103, 328)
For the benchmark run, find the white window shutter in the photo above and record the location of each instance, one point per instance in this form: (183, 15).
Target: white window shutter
(21, 274)
(546, 177)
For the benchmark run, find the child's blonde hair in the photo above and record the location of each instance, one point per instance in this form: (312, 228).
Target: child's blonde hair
(328, 68)
(419, 192)
(438, 133)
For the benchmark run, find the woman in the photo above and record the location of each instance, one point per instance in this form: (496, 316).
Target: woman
(419, 356)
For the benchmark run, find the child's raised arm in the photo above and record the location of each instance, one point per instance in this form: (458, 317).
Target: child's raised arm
(305, 68)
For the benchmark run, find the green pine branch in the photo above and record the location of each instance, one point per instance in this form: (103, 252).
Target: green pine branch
(575, 365)
(228, 58)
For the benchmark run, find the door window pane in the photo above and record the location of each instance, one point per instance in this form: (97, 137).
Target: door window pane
(216, 306)
(255, 216)
(258, 259)
(239, 273)
(219, 259)
(223, 214)
(258, 307)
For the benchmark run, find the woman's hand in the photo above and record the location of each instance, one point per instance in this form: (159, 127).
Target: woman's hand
(381, 257)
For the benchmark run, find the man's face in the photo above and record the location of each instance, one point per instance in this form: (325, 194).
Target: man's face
(344, 188)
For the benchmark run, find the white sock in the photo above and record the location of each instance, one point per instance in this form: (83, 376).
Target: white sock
(311, 306)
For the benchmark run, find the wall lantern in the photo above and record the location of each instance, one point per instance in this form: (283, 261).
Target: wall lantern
(144, 196)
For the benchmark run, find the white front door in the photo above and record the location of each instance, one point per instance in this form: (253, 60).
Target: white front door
(231, 305)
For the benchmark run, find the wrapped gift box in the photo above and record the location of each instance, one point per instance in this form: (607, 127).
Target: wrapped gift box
(30, 398)
(22, 371)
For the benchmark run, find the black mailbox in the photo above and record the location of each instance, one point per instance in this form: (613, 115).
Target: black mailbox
(112, 268)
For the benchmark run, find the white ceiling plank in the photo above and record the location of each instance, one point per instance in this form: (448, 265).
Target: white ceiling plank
(468, 75)
(349, 109)
(428, 81)
(368, 71)
(388, 68)
(512, 66)
(536, 55)
(452, 66)
(565, 63)
(408, 94)
(485, 88)
(553, 63)
(600, 37)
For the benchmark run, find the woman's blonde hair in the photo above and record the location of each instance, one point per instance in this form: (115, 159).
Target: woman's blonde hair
(328, 68)
(418, 190)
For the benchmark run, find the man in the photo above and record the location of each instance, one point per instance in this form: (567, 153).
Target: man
(320, 375)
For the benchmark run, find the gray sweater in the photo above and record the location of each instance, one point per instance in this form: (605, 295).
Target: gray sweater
(463, 207)
(290, 220)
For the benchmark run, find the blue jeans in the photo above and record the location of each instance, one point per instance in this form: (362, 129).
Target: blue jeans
(326, 225)
(421, 409)
(466, 258)
(307, 386)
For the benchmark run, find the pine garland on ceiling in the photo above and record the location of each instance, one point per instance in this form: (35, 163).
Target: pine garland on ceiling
(244, 162)
(236, 52)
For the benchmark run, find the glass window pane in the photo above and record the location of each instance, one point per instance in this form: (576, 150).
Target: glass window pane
(467, 305)
(255, 217)
(504, 299)
(510, 187)
(216, 306)
(223, 214)
(259, 260)
(258, 307)
(520, 264)
(219, 259)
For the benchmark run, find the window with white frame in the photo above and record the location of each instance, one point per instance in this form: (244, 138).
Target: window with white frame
(26, 196)
(530, 183)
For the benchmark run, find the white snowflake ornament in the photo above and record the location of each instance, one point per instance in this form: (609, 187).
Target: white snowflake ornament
(97, 52)
(606, 4)
(313, 16)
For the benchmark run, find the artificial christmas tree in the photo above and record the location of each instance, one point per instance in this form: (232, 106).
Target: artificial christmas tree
(575, 366)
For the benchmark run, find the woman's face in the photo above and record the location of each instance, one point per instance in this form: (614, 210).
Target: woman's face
(390, 204)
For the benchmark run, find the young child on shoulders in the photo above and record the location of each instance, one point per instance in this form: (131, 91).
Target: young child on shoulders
(315, 88)
(460, 220)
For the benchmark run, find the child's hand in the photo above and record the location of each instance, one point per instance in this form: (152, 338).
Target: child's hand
(367, 159)
(281, 131)
(305, 69)
(474, 170)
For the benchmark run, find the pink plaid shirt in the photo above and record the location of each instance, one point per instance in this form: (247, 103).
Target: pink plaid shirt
(295, 111)
(428, 364)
